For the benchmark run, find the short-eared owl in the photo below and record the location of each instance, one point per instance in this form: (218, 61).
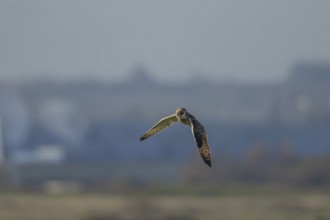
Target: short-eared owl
(198, 131)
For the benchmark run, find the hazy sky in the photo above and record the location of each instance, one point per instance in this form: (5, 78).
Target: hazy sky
(255, 40)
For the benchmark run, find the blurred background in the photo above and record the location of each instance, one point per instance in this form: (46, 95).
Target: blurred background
(81, 81)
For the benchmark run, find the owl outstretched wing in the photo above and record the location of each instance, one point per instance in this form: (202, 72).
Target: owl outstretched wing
(159, 126)
(200, 137)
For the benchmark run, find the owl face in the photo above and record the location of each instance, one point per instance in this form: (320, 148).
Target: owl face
(182, 113)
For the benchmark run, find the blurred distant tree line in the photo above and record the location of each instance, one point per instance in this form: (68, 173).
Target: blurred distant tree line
(259, 166)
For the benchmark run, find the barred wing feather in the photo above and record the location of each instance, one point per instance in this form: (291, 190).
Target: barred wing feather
(200, 137)
(160, 126)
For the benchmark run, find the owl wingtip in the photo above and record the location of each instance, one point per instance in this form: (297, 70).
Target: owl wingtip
(208, 163)
(142, 138)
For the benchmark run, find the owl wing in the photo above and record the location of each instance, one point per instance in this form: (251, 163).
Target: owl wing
(200, 137)
(159, 126)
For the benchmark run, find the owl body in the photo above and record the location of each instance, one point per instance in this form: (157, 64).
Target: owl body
(181, 115)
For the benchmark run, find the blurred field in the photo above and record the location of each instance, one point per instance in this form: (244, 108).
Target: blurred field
(231, 206)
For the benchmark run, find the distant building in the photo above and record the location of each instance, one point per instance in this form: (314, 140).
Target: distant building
(2, 149)
(310, 73)
(48, 154)
(307, 93)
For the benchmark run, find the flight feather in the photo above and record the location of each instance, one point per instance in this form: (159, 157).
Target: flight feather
(160, 126)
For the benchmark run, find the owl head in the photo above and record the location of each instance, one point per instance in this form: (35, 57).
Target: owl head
(181, 113)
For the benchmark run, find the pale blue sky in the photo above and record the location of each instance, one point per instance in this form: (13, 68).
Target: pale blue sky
(255, 40)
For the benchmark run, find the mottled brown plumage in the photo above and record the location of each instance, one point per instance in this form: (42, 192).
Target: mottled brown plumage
(181, 115)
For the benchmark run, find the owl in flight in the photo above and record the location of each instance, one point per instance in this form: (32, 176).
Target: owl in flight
(198, 131)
